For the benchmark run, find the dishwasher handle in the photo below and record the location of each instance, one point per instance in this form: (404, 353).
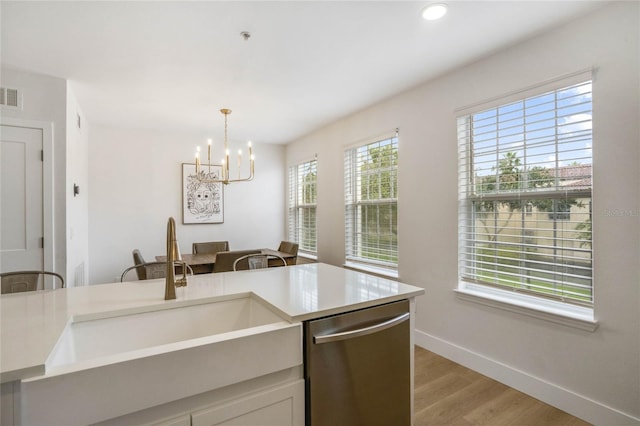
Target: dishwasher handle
(327, 338)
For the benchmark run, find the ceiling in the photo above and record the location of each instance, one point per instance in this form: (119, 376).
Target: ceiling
(171, 66)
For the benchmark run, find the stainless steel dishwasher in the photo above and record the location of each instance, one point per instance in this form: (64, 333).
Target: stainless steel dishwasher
(357, 367)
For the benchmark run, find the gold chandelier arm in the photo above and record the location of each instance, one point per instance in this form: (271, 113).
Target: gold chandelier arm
(203, 177)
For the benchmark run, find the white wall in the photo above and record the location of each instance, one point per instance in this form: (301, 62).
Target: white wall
(135, 186)
(44, 99)
(77, 207)
(594, 375)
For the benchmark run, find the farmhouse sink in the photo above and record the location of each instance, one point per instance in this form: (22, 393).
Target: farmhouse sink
(123, 334)
(144, 357)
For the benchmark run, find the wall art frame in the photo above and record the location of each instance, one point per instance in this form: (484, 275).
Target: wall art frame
(202, 202)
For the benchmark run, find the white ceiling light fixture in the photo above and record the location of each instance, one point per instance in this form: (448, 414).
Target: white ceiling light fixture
(434, 11)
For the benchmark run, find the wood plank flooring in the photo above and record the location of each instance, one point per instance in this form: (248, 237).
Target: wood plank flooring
(449, 394)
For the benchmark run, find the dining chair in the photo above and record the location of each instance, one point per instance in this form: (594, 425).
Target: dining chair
(290, 248)
(257, 261)
(20, 281)
(226, 259)
(139, 260)
(153, 270)
(212, 247)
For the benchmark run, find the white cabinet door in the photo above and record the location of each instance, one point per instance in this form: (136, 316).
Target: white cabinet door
(280, 406)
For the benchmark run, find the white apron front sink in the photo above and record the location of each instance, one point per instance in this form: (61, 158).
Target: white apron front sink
(122, 334)
(111, 364)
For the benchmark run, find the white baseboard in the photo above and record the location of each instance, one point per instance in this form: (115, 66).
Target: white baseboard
(566, 400)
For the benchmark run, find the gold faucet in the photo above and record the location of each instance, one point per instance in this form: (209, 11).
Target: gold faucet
(173, 256)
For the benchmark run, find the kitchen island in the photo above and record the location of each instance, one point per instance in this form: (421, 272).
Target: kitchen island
(33, 324)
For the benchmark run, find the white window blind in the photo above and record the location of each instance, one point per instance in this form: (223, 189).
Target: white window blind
(371, 202)
(525, 184)
(302, 205)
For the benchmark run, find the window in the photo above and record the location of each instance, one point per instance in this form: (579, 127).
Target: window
(371, 203)
(302, 205)
(525, 196)
(561, 210)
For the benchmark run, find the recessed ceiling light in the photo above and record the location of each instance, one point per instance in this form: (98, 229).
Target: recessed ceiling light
(434, 11)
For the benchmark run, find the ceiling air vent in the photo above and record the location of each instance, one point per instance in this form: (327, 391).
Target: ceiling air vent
(10, 98)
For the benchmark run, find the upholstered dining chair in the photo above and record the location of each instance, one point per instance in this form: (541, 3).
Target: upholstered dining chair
(257, 261)
(153, 270)
(291, 248)
(19, 281)
(139, 260)
(212, 247)
(226, 259)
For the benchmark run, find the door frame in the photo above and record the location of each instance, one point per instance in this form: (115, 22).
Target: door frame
(47, 182)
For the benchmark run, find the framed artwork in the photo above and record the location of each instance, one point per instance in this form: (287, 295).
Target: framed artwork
(202, 202)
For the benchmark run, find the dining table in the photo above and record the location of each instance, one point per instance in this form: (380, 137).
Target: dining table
(202, 263)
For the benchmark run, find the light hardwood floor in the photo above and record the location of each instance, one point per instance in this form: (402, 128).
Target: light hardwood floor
(447, 393)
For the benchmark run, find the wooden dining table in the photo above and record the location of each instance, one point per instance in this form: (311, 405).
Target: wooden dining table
(202, 263)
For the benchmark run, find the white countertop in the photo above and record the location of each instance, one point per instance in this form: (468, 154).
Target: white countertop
(32, 322)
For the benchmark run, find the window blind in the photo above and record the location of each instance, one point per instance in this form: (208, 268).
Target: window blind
(525, 179)
(302, 205)
(371, 202)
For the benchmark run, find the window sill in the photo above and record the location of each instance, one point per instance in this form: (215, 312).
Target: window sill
(308, 255)
(304, 258)
(549, 310)
(383, 272)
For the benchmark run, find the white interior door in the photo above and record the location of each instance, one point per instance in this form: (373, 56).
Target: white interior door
(21, 211)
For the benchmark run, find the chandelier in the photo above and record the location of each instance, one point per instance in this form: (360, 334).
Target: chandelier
(225, 177)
